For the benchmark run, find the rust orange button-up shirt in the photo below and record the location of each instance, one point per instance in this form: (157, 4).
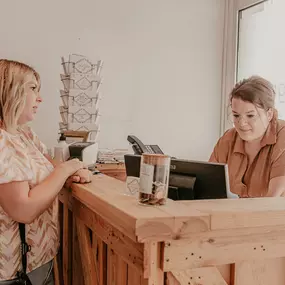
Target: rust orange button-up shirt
(253, 180)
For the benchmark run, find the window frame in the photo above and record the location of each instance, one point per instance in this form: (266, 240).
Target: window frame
(230, 50)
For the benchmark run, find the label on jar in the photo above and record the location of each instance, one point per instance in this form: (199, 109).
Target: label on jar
(133, 185)
(146, 178)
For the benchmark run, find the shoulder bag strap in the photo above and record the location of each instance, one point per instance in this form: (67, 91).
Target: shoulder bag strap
(25, 248)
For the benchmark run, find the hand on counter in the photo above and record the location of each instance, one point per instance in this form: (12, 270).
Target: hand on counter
(80, 176)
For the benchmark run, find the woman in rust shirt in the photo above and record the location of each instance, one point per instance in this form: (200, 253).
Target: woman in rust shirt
(255, 148)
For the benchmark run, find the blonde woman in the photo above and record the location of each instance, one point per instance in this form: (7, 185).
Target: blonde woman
(29, 182)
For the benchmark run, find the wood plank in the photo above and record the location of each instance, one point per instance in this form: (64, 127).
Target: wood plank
(186, 222)
(105, 195)
(65, 245)
(115, 170)
(56, 272)
(260, 272)
(205, 276)
(94, 245)
(77, 272)
(110, 166)
(60, 250)
(70, 231)
(241, 213)
(134, 278)
(171, 280)
(155, 223)
(102, 262)
(204, 228)
(143, 281)
(226, 272)
(129, 251)
(77, 134)
(65, 194)
(96, 255)
(237, 205)
(234, 220)
(224, 247)
(122, 272)
(87, 256)
(152, 263)
(112, 267)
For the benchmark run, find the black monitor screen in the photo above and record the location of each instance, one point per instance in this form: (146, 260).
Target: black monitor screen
(189, 180)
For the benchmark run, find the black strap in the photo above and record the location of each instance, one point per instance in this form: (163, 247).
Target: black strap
(25, 248)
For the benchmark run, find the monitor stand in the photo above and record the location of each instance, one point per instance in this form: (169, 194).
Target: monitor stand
(181, 187)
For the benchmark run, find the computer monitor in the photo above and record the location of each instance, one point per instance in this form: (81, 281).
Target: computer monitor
(189, 180)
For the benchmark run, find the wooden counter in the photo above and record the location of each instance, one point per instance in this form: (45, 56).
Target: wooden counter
(115, 170)
(214, 242)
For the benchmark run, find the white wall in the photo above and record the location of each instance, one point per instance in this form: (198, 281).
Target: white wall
(162, 72)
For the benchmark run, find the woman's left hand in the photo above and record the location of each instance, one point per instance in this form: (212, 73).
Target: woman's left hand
(81, 176)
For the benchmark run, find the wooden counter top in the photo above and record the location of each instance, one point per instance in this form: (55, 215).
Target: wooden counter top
(176, 219)
(224, 241)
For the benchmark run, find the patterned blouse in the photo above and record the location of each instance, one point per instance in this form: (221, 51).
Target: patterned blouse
(22, 159)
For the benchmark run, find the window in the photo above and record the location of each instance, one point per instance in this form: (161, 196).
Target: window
(261, 46)
(254, 45)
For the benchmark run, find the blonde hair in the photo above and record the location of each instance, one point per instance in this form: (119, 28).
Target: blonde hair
(13, 77)
(256, 90)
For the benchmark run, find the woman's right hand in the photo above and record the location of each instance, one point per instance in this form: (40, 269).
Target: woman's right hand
(69, 167)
